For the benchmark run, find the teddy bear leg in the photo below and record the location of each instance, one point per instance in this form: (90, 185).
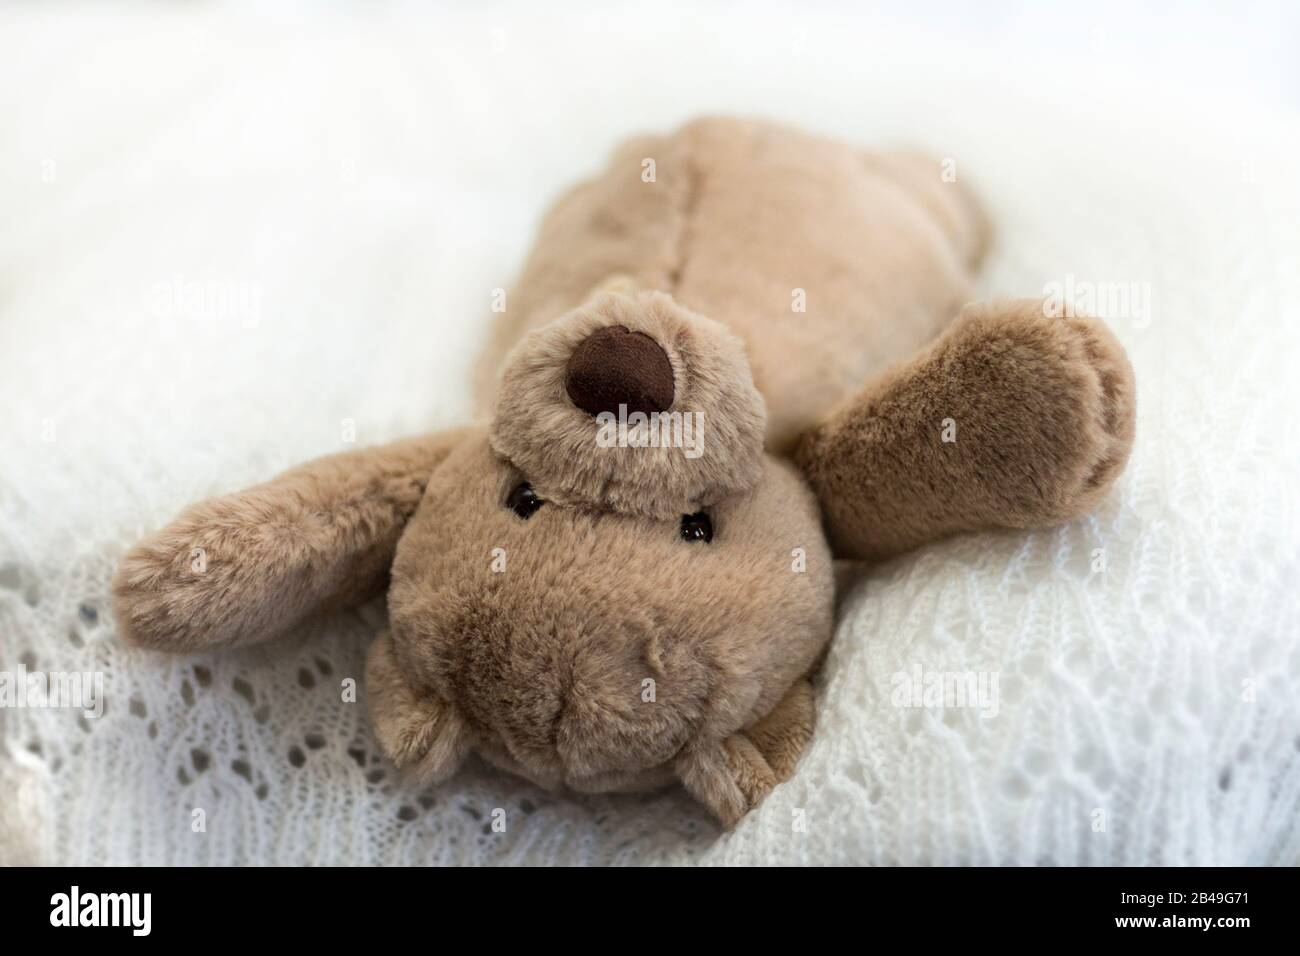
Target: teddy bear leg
(1013, 418)
(732, 776)
(936, 185)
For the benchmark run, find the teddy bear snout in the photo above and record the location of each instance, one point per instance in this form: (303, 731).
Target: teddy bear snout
(631, 404)
(615, 367)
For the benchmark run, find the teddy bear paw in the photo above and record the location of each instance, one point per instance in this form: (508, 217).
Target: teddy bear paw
(1051, 414)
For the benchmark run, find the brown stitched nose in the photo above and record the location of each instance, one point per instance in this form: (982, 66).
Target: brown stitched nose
(614, 366)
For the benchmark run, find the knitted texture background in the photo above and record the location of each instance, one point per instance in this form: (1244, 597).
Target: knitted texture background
(230, 245)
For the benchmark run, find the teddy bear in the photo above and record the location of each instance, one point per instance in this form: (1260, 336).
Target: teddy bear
(738, 354)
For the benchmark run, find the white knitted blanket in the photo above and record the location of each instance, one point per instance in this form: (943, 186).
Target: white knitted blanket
(229, 244)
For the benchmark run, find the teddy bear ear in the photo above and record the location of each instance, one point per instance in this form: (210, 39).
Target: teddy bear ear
(729, 777)
(420, 733)
(248, 566)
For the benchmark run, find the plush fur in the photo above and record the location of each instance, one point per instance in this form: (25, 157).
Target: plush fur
(799, 297)
(741, 215)
(552, 441)
(1041, 414)
(237, 569)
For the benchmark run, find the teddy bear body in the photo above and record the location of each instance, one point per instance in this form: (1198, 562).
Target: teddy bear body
(828, 261)
(604, 615)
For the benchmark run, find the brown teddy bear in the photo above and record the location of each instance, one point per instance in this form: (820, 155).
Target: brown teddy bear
(737, 353)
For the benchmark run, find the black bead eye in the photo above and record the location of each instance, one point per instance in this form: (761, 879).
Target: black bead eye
(523, 501)
(697, 527)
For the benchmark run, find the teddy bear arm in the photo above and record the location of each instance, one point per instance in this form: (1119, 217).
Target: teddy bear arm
(246, 567)
(1012, 418)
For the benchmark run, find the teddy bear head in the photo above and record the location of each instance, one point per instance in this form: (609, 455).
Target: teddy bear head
(614, 576)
